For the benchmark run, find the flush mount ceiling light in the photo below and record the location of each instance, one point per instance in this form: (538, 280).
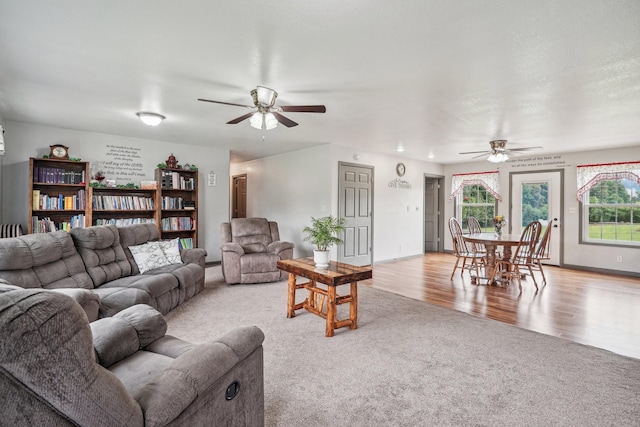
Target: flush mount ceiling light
(150, 119)
(400, 148)
(263, 121)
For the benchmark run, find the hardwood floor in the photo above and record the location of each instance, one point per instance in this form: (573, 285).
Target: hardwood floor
(589, 308)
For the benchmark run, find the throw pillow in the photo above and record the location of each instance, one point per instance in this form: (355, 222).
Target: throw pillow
(148, 256)
(171, 250)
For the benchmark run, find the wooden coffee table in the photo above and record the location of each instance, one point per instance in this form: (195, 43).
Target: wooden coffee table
(324, 302)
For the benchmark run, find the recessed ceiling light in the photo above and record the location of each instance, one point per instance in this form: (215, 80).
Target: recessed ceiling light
(400, 148)
(430, 156)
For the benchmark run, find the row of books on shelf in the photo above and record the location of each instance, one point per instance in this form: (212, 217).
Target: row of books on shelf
(49, 175)
(122, 203)
(47, 225)
(177, 223)
(123, 221)
(59, 202)
(186, 243)
(176, 181)
(177, 203)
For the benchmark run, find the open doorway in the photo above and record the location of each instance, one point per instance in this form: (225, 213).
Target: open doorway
(239, 196)
(433, 223)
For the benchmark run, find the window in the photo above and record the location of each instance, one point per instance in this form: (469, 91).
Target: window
(610, 196)
(475, 200)
(476, 194)
(612, 212)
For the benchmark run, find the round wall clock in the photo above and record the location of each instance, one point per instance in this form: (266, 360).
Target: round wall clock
(59, 151)
(400, 169)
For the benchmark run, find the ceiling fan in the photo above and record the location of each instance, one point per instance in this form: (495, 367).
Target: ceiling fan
(498, 152)
(267, 114)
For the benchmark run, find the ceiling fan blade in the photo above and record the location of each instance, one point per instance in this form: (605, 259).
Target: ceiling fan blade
(475, 152)
(525, 149)
(225, 103)
(239, 119)
(481, 155)
(303, 108)
(285, 121)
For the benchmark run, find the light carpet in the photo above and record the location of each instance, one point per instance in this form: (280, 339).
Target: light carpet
(411, 363)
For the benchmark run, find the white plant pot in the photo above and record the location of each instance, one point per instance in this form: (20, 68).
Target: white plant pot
(321, 258)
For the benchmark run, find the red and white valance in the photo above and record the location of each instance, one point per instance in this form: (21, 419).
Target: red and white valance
(590, 175)
(488, 180)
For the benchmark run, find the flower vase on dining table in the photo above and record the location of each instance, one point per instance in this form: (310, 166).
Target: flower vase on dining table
(498, 223)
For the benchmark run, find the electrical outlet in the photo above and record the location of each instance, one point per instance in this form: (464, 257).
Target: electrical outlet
(619, 258)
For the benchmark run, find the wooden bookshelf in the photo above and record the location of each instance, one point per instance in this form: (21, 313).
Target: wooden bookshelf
(123, 206)
(178, 203)
(58, 195)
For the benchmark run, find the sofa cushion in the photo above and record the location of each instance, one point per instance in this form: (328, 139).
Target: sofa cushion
(137, 234)
(103, 256)
(148, 256)
(171, 250)
(43, 260)
(259, 263)
(249, 231)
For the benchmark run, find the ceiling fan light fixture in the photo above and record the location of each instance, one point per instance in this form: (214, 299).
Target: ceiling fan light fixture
(264, 96)
(263, 121)
(270, 121)
(256, 120)
(497, 157)
(150, 119)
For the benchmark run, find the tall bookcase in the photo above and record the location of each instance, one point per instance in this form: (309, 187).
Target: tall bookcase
(123, 206)
(58, 195)
(178, 202)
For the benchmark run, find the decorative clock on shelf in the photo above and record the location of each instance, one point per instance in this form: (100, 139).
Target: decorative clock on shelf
(59, 151)
(400, 169)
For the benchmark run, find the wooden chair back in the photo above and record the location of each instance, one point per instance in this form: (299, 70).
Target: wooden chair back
(474, 225)
(528, 240)
(459, 245)
(542, 250)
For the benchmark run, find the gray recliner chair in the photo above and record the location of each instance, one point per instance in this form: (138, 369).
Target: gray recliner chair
(56, 369)
(251, 248)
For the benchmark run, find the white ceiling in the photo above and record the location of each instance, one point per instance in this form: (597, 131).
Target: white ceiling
(437, 77)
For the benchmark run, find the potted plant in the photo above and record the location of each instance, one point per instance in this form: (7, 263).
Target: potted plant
(324, 233)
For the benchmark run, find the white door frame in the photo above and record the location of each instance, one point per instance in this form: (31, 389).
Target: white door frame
(557, 234)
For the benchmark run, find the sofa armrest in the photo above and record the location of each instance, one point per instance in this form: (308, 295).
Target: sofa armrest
(279, 246)
(193, 373)
(195, 256)
(232, 247)
(88, 300)
(118, 337)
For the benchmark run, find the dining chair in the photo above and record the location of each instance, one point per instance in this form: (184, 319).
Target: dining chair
(474, 227)
(461, 251)
(507, 270)
(541, 253)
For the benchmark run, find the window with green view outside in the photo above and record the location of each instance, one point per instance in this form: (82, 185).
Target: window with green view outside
(475, 200)
(612, 213)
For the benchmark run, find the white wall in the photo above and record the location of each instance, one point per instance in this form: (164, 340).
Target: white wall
(27, 140)
(574, 253)
(290, 188)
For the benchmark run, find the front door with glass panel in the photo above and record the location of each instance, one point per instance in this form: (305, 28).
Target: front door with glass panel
(537, 196)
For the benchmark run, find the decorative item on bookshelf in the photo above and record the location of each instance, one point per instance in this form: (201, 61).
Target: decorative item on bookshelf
(172, 162)
(149, 185)
(59, 151)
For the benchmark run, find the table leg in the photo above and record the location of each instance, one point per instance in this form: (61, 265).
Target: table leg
(491, 260)
(331, 311)
(291, 297)
(353, 307)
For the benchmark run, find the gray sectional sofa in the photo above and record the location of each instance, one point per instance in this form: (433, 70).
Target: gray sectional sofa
(99, 259)
(57, 369)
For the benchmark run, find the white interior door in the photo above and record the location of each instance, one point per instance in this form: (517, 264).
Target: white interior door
(537, 196)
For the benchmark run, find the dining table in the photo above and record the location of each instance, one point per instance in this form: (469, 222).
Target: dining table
(491, 242)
